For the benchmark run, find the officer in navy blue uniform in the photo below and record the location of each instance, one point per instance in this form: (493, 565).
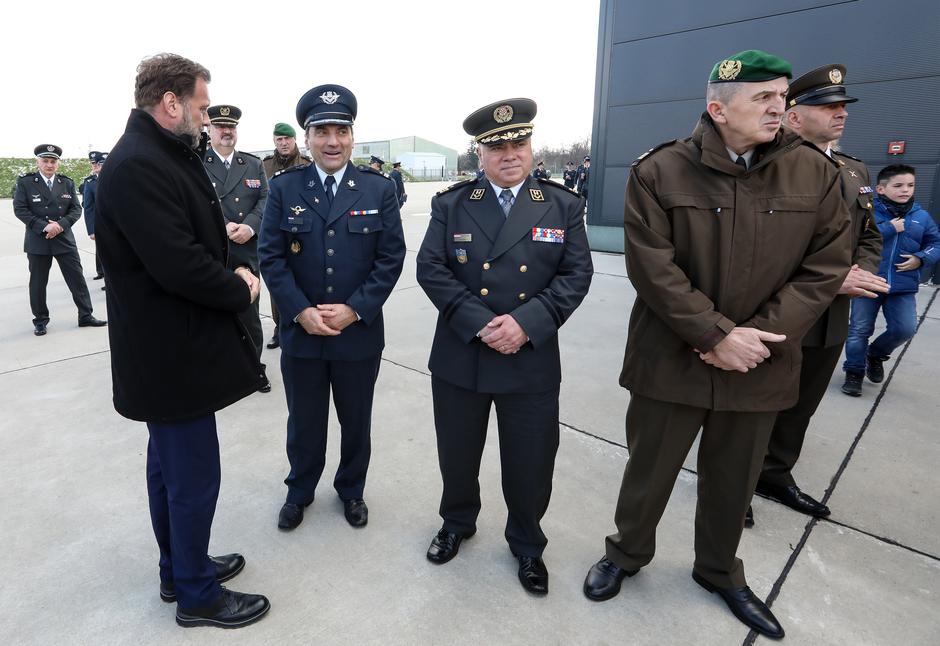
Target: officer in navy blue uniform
(331, 250)
(239, 180)
(395, 174)
(570, 175)
(506, 261)
(47, 203)
(88, 189)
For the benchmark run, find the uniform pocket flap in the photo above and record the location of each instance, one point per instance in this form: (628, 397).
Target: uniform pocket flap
(697, 201)
(364, 224)
(788, 203)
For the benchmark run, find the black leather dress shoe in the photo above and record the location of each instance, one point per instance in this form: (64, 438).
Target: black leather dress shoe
(232, 610)
(750, 610)
(533, 575)
(356, 512)
(40, 329)
(91, 321)
(749, 517)
(444, 546)
(603, 580)
(792, 497)
(291, 515)
(226, 567)
(275, 342)
(265, 387)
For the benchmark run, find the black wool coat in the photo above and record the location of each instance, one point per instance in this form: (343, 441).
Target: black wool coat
(178, 350)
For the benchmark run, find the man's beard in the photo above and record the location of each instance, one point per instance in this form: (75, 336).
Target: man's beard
(188, 128)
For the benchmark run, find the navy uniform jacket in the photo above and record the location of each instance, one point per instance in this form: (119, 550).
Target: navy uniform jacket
(88, 188)
(571, 178)
(396, 177)
(475, 264)
(311, 254)
(36, 207)
(242, 190)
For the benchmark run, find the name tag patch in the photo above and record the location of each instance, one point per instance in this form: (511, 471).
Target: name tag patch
(253, 183)
(548, 235)
(366, 212)
(463, 237)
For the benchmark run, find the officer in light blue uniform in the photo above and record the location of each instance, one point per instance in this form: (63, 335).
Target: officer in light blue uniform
(331, 251)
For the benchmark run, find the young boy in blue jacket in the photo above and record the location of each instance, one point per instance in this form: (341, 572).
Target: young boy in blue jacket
(911, 240)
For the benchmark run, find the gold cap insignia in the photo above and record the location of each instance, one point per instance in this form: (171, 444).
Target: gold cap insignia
(224, 111)
(835, 75)
(477, 194)
(536, 195)
(502, 114)
(330, 97)
(729, 70)
(295, 246)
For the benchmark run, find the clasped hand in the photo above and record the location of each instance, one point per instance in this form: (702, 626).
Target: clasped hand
(327, 319)
(503, 334)
(238, 233)
(741, 350)
(253, 282)
(52, 230)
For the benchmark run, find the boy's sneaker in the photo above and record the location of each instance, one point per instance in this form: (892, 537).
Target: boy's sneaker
(853, 384)
(875, 369)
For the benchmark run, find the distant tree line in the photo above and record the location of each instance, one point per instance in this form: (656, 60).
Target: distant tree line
(554, 158)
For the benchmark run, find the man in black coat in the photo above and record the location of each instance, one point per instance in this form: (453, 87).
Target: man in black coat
(506, 261)
(331, 251)
(178, 351)
(47, 203)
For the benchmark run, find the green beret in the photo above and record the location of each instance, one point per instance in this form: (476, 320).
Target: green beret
(750, 66)
(284, 130)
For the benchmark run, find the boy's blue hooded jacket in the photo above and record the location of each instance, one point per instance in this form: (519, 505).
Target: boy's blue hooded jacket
(920, 238)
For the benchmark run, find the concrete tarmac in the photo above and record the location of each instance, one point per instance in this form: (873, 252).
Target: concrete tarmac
(79, 561)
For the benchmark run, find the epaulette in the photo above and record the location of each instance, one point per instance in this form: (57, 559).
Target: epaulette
(557, 185)
(842, 154)
(289, 170)
(450, 188)
(267, 157)
(242, 152)
(653, 150)
(832, 160)
(369, 169)
(27, 173)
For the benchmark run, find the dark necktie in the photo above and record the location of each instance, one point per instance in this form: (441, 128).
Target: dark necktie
(740, 161)
(506, 200)
(227, 164)
(328, 185)
(49, 184)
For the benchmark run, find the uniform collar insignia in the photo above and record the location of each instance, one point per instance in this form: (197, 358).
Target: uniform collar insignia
(477, 194)
(351, 184)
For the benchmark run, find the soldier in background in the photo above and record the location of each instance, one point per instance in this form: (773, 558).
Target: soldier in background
(540, 172)
(47, 203)
(570, 175)
(87, 190)
(584, 175)
(399, 183)
(286, 154)
(239, 180)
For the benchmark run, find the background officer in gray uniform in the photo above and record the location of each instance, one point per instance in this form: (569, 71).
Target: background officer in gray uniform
(506, 261)
(47, 203)
(239, 180)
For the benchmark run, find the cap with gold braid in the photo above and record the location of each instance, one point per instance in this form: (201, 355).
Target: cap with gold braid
(505, 120)
(750, 66)
(47, 150)
(821, 86)
(224, 115)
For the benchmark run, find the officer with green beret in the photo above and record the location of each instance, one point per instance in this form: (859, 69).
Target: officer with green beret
(816, 110)
(47, 203)
(286, 154)
(240, 182)
(736, 239)
(506, 261)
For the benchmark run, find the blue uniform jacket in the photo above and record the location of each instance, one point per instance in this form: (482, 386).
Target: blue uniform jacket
(89, 188)
(311, 254)
(920, 238)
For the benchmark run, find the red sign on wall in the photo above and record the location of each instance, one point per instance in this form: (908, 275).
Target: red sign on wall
(895, 147)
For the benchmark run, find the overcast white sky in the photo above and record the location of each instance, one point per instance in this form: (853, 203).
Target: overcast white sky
(416, 68)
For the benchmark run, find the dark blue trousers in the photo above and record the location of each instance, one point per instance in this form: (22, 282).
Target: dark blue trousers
(307, 384)
(183, 476)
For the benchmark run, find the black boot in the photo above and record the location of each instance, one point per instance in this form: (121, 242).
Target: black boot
(853, 384)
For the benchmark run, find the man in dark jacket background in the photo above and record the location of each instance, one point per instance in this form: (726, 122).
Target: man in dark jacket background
(178, 351)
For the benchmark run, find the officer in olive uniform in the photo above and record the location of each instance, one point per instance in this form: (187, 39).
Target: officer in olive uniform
(332, 249)
(47, 203)
(239, 181)
(396, 177)
(506, 261)
(88, 189)
(816, 111)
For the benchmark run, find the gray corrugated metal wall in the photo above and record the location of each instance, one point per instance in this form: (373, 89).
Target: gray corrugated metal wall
(654, 59)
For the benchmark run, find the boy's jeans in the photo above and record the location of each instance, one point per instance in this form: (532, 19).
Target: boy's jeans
(900, 312)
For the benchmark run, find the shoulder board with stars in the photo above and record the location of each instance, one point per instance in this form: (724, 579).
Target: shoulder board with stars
(466, 182)
(553, 184)
(653, 150)
(289, 170)
(242, 152)
(369, 169)
(842, 154)
(832, 160)
(28, 173)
